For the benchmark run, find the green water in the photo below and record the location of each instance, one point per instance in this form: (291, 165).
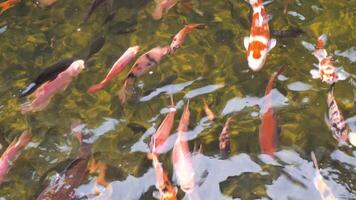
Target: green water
(211, 63)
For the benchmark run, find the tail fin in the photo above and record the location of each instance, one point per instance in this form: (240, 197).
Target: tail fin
(321, 41)
(24, 139)
(312, 155)
(95, 88)
(196, 26)
(254, 3)
(127, 90)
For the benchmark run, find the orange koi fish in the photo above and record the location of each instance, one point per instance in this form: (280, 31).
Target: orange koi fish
(118, 66)
(335, 119)
(269, 131)
(44, 93)
(319, 183)
(7, 5)
(224, 139)
(158, 140)
(143, 64)
(182, 161)
(207, 110)
(326, 70)
(165, 187)
(163, 6)
(180, 36)
(12, 151)
(258, 44)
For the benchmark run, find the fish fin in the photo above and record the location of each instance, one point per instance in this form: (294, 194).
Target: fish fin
(321, 41)
(157, 195)
(342, 74)
(320, 54)
(127, 90)
(271, 44)
(29, 89)
(312, 155)
(157, 13)
(246, 42)
(315, 73)
(95, 88)
(352, 138)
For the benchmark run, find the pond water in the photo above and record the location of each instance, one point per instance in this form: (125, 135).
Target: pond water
(212, 64)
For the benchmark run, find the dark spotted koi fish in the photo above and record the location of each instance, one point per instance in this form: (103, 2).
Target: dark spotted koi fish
(258, 44)
(269, 130)
(142, 65)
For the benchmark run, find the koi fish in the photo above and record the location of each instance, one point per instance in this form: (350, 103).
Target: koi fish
(165, 187)
(7, 5)
(258, 44)
(95, 46)
(319, 183)
(163, 6)
(286, 4)
(142, 65)
(224, 139)
(158, 140)
(182, 161)
(180, 36)
(12, 151)
(44, 94)
(207, 110)
(335, 119)
(269, 130)
(118, 66)
(93, 6)
(50, 73)
(64, 185)
(326, 70)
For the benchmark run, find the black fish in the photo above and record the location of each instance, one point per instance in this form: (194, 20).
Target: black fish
(48, 74)
(293, 32)
(94, 4)
(96, 46)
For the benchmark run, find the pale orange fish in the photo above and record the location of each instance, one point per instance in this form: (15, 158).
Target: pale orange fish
(180, 36)
(158, 140)
(224, 139)
(259, 43)
(118, 66)
(12, 151)
(208, 111)
(163, 6)
(142, 65)
(7, 5)
(166, 189)
(319, 182)
(182, 161)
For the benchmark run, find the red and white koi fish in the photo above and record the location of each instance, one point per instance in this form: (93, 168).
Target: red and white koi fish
(207, 110)
(163, 6)
(45, 92)
(7, 5)
(319, 183)
(335, 119)
(180, 36)
(182, 161)
(158, 140)
(118, 66)
(143, 64)
(166, 190)
(326, 70)
(224, 139)
(12, 151)
(269, 130)
(258, 44)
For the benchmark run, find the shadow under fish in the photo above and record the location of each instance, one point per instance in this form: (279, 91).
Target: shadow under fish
(93, 6)
(63, 187)
(289, 33)
(95, 46)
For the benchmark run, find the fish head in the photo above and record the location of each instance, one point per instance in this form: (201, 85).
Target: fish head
(256, 58)
(135, 49)
(76, 67)
(175, 43)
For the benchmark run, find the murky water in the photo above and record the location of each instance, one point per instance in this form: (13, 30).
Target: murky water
(211, 64)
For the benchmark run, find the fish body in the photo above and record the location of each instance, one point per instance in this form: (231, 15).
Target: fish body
(44, 94)
(7, 5)
(93, 6)
(163, 6)
(48, 74)
(181, 157)
(142, 65)
(269, 130)
(158, 140)
(181, 35)
(258, 44)
(165, 187)
(326, 70)
(95, 46)
(224, 138)
(64, 185)
(335, 119)
(118, 66)
(12, 152)
(319, 183)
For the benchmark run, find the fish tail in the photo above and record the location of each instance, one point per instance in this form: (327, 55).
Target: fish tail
(157, 13)
(127, 89)
(25, 138)
(95, 88)
(26, 107)
(196, 26)
(312, 155)
(321, 41)
(254, 3)
(172, 101)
